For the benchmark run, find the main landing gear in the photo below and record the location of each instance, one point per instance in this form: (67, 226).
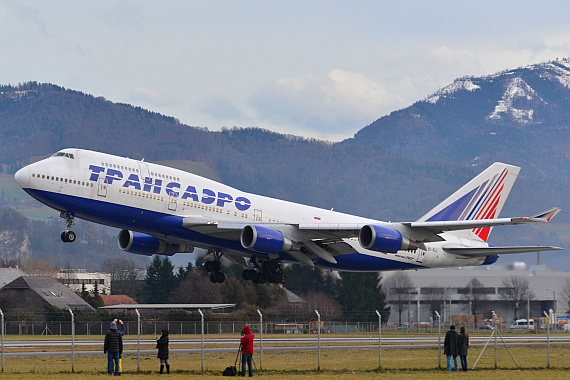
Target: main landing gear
(270, 271)
(215, 269)
(68, 236)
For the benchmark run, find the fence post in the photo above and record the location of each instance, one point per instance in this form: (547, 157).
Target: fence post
(379, 339)
(72, 341)
(2, 314)
(319, 340)
(547, 336)
(202, 342)
(138, 340)
(260, 339)
(438, 339)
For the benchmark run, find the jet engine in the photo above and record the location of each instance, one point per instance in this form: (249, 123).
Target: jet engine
(143, 244)
(384, 239)
(264, 239)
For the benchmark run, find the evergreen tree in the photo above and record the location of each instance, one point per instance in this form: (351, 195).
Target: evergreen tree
(302, 279)
(360, 294)
(160, 280)
(84, 292)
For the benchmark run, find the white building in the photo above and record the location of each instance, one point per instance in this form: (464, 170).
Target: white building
(75, 278)
(450, 287)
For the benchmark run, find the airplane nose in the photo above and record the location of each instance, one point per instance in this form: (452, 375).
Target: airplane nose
(23, 177)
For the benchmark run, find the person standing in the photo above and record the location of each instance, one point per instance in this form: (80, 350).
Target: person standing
(246, 350)
(463, 348)
(113, 347)
(451, 347)
(162, 345)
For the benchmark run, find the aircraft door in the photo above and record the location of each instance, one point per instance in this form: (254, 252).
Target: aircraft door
(172, 202)
(102, 187)
(144, 172)
(421, 255)
(257, 215)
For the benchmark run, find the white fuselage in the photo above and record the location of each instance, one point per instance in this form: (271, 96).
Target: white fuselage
(150, 198)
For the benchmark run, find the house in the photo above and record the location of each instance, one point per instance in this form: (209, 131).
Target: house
(35, 292)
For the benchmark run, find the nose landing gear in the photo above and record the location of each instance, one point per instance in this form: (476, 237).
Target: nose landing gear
(68, 236)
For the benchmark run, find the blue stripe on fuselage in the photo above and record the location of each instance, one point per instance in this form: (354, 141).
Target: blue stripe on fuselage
(167, 225)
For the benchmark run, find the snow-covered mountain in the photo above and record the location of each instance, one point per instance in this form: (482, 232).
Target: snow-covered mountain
(519, 116)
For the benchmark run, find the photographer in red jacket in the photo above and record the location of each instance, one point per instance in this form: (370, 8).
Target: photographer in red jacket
(246, 349)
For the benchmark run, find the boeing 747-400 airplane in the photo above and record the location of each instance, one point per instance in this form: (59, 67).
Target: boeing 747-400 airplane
(161, 210)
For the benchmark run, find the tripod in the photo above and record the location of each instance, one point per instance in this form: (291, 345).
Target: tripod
(239, 355)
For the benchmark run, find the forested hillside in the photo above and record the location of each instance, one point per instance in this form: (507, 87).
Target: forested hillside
(519, 116)
(374, 180)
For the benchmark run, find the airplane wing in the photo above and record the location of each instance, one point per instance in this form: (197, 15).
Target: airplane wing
(418, 231)
(422, 231)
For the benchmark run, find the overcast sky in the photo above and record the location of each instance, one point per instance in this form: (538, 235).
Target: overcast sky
(321, 69)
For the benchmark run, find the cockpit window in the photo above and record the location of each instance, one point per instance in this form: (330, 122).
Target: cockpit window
(63, 154)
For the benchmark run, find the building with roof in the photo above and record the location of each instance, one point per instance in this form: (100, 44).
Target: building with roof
(448, 291)
(117, 299)
(7, 275)
(35, 292)
(76, 278)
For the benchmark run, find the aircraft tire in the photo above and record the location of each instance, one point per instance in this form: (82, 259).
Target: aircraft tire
(63, 237)
(246, 275)
(208, 266)
(220, 277)
(70, 236)
(263, 277)
(213, 278)
(216, 267)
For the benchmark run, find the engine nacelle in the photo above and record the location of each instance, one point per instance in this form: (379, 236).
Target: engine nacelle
(143, 244)
(264, 239)
(384, 239)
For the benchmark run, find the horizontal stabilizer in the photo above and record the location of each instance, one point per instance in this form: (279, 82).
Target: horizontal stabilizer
(453, 225)
(486, 251)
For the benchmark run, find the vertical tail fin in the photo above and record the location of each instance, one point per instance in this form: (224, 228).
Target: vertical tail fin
(481, 198)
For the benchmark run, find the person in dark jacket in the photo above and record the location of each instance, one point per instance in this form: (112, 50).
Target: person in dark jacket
(113, 347)
(463, 348)
(246, 350)
(451, 347)
(162, 345)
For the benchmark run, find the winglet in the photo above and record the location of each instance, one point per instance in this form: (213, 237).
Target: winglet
(545, 216)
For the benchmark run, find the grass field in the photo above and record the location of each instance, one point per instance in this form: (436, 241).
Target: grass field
(335, 364)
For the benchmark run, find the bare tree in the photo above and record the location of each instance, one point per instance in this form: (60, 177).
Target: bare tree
(197, 288)
(475, 293)
(399, 288)
(68, 278)
(434, 297)
(124, 273)
(35, 266)
(516, 292)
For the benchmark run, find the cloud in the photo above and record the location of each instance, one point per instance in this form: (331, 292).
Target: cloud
(220, 108)
(339, 101)
(152, 97)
